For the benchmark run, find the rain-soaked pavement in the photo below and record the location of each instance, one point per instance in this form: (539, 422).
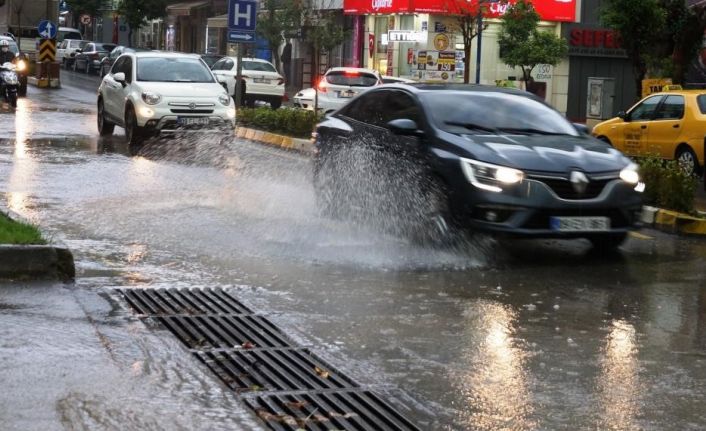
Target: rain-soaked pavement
(536, 335)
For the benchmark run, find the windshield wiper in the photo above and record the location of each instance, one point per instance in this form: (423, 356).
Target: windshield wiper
(531, 131)
(472, 126)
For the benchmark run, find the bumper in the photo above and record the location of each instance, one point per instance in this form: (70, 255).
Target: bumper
(527, 210)
(173, 124)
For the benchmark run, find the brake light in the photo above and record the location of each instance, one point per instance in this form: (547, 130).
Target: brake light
(322, 86)
(351, 73)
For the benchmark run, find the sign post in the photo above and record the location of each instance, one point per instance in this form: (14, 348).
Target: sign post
(242, 17)
(47, 51)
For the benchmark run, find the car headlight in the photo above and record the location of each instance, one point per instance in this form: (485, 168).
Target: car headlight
(21, 65)
(224, 99)
(490, 177)
(151, 98)
(629, 174)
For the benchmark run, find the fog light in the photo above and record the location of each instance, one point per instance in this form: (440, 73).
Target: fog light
(491, 216)
(151, 123)
(146, 112)
(640, 187)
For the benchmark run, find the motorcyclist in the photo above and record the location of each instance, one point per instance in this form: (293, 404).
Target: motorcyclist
(5, 53)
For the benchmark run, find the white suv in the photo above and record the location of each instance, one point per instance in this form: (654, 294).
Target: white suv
(337, 87)
(262, 82)
(151, 92)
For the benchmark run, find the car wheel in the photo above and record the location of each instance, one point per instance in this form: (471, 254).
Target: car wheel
(608, 242)
(105, 127)
(687, 160)
(325, 189)
(276, 103)
(436, 225)
(73, 66)
(133, 132)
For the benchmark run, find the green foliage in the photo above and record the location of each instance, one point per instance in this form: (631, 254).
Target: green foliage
(523, 45)
(276, 19)
(89, 7)
(641, 24)
(138, 12)
(667, 185)
(12, 232)
(298, 123)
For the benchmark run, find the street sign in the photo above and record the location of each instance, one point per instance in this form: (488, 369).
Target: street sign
(242, 17)
(85, 19)
(47, 29)
(47, 50)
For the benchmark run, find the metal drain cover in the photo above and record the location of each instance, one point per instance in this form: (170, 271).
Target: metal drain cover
(155, 302)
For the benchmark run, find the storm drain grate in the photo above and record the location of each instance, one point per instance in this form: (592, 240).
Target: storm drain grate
(274, 370)
(340, 410)
(183, 301)
(225, 332)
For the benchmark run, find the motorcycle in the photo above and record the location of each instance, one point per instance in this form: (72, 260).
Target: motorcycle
(9, 83)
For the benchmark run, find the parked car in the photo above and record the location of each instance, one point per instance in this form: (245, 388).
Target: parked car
(396, 80)
(337, 87)
(66, 51)
(261, 81)
(670, 124)
(64, 33)
(89, 57)
(150, 93)
(108, 60)
(427, 160)
(211, 59)
(22, 63)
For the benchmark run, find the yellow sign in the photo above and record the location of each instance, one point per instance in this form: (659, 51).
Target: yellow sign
(441, 42)
(47, 50)
(650, 86)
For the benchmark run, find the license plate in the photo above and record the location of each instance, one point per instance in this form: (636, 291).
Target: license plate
(346, 94)
(192, 121)
(579, 224)
(261, 80)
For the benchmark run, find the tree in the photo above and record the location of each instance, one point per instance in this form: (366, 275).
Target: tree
(277, 19)
(138, 12)
(468, 15)
(523, 45)
(640, 24)
(682, 37)
(79, 7)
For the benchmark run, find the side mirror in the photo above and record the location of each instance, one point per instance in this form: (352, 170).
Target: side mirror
(404, 127)
(581, 128)
(78, 50)
(623, 115)
(120, 77)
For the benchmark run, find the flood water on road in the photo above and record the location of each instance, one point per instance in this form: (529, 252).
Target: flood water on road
(523, 336)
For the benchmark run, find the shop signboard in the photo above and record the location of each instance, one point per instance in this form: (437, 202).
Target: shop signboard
(549, 10)
(436, 66)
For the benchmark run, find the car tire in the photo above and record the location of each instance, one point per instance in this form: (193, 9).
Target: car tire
(73, 66)
(133, 133)
(276, 103)
(105, 127)
(436, 226)
(608, 242)
(687, 160)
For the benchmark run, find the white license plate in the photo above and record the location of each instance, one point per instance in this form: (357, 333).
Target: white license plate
(192, 121)
(261, 80)
(346, 94)
(579, 224)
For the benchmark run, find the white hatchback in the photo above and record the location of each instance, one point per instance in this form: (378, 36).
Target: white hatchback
(260, 78)
(338, 86)
(151, 92)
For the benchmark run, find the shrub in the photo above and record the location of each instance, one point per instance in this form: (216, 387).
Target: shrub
(667, 185)
(298, 123)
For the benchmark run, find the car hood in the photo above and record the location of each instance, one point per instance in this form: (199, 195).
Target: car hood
(184, 89)
(307, 93)
(542, 153)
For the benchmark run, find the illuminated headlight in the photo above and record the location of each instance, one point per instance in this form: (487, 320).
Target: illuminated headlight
(231, 113)
(151, 98)
(224, 99)
(640, 187)
(629, 174)
(21, 65)
(146, 112)
(490, 177)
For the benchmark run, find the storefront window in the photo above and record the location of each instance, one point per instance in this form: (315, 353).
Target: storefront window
(380, 58)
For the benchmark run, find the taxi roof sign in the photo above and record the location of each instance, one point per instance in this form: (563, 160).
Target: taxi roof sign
(672, 87)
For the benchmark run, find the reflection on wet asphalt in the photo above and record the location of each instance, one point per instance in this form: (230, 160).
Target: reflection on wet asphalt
(522, 335)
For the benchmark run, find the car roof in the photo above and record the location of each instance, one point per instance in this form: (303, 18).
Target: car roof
(425, 87)
(352, 69)
(681, 92)
(162, 54)
(257, 60)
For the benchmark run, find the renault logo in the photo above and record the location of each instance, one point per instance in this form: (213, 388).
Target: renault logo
(579, 181)
(192, 105)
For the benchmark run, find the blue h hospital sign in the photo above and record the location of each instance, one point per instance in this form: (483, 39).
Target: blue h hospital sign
(242, 16)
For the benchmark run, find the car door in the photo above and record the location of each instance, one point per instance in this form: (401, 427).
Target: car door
(633, 134)
(224, 70)
(114, 92)
(666, 127)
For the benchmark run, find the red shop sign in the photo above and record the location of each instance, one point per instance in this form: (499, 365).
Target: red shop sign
(548, 10)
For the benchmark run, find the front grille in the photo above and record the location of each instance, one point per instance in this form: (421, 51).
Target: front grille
(192, 111)
(563, 188)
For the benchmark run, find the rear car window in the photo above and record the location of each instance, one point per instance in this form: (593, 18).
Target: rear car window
(352, 79)
(701, 100)
(258, 66)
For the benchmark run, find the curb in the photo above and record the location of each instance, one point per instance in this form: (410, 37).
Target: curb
(35, 261)
(287, 142)
(44, 82)
(673, 221)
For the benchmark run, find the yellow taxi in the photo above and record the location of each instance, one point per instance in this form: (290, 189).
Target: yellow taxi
(671, 124)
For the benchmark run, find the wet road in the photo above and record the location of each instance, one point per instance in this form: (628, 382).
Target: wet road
(521, 336)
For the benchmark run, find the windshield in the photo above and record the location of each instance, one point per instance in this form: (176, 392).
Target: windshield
(494, 111)
(77, 43)
(172, 69)
(13, 47)
(258, 66)
(352, 79)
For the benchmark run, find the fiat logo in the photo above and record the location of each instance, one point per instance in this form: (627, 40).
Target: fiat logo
(192, 105)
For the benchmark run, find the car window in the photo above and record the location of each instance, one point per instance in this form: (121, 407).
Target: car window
(701, 100)
(258, 66)
(118, 65)
(351, 78)
(223, 64)
(116, 53)
(671, 109)
(103, 47)
(493, 110)
(172, 69)
(645, 110)
(368, 108)
(89, 47)
(401, 105)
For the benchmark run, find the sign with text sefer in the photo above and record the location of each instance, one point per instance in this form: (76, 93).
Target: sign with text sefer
(242, 17)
